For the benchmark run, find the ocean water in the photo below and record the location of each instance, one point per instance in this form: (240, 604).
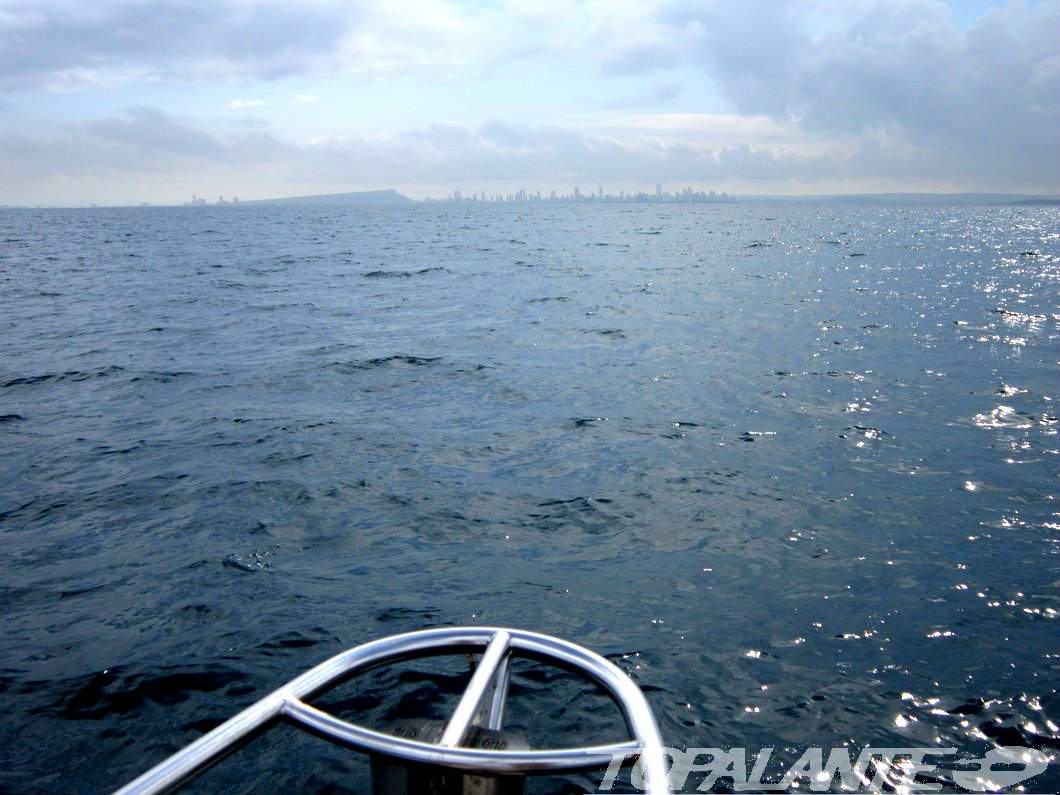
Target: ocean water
(794, 467)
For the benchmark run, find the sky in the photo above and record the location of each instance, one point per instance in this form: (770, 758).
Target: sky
(129, 101)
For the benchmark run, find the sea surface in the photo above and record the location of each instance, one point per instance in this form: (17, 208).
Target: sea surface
(793, 467)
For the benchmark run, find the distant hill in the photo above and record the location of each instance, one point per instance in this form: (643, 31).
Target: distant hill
(356, 197)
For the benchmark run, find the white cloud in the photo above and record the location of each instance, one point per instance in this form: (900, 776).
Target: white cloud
(246, 103)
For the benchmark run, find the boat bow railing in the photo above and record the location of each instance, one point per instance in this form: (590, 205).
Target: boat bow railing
(482, 705)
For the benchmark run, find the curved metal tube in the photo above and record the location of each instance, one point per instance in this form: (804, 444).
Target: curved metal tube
(288, 702)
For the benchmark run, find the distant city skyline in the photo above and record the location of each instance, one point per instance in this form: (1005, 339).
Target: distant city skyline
(133, 102)
(687, 194)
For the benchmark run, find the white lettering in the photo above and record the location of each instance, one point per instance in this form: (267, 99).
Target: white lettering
(875, 770)
(986, 779)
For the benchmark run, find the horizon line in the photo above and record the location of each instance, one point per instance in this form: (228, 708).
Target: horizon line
(588, 198)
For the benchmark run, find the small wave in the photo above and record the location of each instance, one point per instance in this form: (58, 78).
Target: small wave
(676, 430)
(750, 436)
(381, 274)
(401, 359)
(284, 458)
(290, 640)
(69, 375)
(398, 360)
(256, 561)
(1013, 317)
(582, 515)
(34, 510)
(585, 422)
(406, 614)
(160, 376)
(104, 450)
(578, 503)
(864, 431)
(11, 417)
(115, 692)
(1005, 417)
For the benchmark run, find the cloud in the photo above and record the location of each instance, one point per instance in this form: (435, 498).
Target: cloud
(69, 44)
(813, 90)
(902, 70)
(146, 130)
(658, 95)
(246, 103)
(144, 149)
(141, 155)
